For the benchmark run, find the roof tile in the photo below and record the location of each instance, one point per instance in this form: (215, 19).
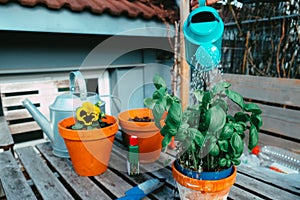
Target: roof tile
(147, 9)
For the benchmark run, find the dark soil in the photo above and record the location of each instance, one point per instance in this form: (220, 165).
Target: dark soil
(139, 119)
(101, 125)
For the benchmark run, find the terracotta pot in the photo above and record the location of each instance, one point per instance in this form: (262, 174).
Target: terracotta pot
(190, 188)
(149, 137)
(89, 149)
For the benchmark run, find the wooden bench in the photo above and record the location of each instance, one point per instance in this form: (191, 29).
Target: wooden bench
(279, 99)
(6, 140)
(38, 174)
(41, 93)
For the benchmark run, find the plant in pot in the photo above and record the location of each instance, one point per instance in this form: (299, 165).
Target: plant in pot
(89, 137)
(210, 137)
(140, 122)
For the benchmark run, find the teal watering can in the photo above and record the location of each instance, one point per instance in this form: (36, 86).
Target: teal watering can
(64, 106)
(203, 30)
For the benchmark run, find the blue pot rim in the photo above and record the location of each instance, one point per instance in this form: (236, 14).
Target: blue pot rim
(204, 175)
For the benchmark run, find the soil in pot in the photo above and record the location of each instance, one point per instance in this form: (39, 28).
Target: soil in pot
(89, 149)
(139, 122)
(190, 188)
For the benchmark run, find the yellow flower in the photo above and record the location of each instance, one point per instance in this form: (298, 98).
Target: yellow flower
(88, 113)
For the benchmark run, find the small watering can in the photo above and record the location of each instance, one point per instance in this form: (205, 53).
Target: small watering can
(203, 30)
(64, 106)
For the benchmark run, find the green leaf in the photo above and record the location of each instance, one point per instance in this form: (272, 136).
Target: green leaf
(219, 88)
(223, 145)
(235, 97)
(241, 117)
(199, 95)
(253, 137)
(222, 162)
(181, 134)
(228, 163)
(217, 119)
(199, 138)
(206, 97)
(160, 93)
(150, 103)
(236, 161)
(77, 126)
(237, 145)
(252, 107)
(227, 131)
(174, 116)
(159, 82)
(214, 150)
(166, 140)
(256, 120)
(238, 127)
(222, 103)
(158, 111)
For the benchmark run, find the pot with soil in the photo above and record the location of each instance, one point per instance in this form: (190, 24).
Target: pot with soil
(89, 139)
(140, 123)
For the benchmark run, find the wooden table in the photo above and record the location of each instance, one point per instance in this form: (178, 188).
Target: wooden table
(37, 174)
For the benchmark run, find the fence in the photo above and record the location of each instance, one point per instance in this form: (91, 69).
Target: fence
(262, 39)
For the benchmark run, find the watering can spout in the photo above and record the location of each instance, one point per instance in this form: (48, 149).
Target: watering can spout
(39, 118)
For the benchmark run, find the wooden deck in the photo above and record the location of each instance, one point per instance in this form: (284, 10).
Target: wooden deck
(37, 174)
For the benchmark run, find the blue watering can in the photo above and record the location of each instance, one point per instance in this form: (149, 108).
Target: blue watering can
(203, 30)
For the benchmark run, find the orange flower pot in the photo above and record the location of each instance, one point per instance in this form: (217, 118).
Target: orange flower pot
(149, 137)
(190, 188)
(89, 149)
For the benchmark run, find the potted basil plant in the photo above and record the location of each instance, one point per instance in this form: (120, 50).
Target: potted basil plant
(210, 137)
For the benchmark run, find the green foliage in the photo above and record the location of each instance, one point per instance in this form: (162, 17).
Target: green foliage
(209, 137)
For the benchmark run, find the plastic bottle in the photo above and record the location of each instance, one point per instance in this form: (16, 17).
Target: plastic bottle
(278, 159)
(133, 165)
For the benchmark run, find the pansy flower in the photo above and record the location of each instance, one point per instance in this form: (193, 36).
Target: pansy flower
(88, 113)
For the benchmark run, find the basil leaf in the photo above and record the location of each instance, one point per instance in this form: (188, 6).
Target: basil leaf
(159, 82)
(252, 107)
(214, 150)
(223, 145)
(227, 131)
(217, 119)
(150, 103)
(235, 97)
(222, 162)
(253, 137)
(237, 145)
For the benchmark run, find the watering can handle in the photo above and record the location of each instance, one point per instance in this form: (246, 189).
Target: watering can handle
(76, 75)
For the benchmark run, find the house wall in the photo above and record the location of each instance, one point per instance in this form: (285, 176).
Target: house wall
(130, 61)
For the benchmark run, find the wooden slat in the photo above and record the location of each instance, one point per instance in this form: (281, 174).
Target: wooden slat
(17, 114)
(83, 186)
(238, 193)
(271, 178)
(13, 181)
(263, 189)
(33, 85)
(114, 183)
(265, 139)
(276, 90)
(6, 139)
(45, 181)
(282, 121)
(24, 127)
(34, 98)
